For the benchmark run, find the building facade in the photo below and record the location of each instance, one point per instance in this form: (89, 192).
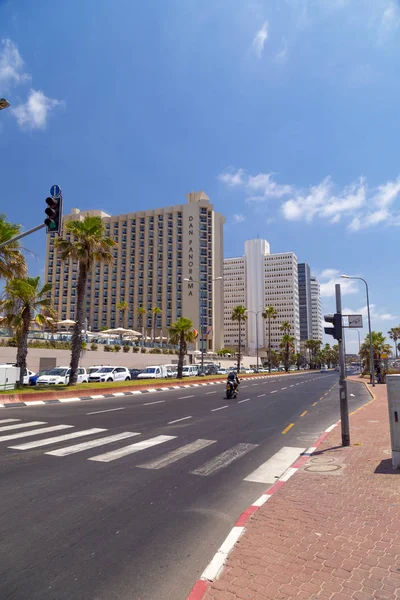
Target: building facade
(157, 250)
(305, 302)
(257, 280)
(316, 310)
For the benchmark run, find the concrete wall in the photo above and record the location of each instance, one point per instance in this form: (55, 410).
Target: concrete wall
(99, 357)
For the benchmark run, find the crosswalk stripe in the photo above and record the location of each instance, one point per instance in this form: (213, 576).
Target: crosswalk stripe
(132, 448)
(14, 436)
(22, 425)
(177, 454)
(9, 420)
(223, 460)
(273, 468)
(92, 444)
(57, 438)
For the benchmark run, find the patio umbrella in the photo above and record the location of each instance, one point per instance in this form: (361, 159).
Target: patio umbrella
(122, 331)
(66, 322)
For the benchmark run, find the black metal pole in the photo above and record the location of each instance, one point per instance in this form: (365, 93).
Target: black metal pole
(344, 408)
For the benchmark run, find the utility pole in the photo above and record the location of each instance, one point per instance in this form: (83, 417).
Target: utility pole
(344, 408)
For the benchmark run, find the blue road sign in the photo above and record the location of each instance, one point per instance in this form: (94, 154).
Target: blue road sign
(55, 191)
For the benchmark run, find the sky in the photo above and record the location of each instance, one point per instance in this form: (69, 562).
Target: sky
(285, 112)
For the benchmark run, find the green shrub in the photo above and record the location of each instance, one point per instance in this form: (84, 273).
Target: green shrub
(155, 351)
(117, 347)
(165, 351)
(83, 345)
(135, 349)
(126, 348)
(12, 342)
(143, 350)
(108, 348)
(171, 351)
(94, 347)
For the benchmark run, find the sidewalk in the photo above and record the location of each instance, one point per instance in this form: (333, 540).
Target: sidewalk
(332, 531)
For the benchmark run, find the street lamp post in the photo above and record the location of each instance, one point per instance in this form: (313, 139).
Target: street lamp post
(253, 312)
(200, 283)
(371, 352)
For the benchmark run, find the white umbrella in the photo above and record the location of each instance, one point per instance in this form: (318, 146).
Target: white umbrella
(122, 331)
(106, 335)
(66, 322)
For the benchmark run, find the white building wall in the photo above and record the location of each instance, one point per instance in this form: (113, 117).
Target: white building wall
(316, 310)
(255, 252)
(234, 295)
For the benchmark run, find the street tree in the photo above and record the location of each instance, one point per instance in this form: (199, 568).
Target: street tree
(123, 309)
(88, 244)
(287, 344)
(25, 301)
(239, 314)
(12, 261)
(181, 333)
(155, 312)
(141, 314)
(269, 314)
(379, 347)
(394, 334)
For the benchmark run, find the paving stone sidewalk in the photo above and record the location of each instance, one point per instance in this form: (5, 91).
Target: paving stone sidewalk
(333, 530)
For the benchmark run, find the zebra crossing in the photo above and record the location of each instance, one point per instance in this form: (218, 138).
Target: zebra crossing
(70, 443)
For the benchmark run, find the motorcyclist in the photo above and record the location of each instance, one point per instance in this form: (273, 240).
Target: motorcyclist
(233, 378)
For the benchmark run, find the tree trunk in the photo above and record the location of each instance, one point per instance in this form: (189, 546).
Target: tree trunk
(154, 328)
(79, 324)
(240, 339)
(287, 358)
(269, 344)
(22, 349)
(182, 348)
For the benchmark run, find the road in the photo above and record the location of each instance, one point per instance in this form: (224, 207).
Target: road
(87, 515)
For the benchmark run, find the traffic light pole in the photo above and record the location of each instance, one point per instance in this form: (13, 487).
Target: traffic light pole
(344, 407)
(22, 235)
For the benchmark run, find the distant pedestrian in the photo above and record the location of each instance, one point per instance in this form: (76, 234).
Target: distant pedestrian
(378, 374)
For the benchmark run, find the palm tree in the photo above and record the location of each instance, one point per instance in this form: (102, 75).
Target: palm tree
(12, 262)
(88, 244)
(26, 301)
(122, 307)
(141, 314)
(156, 311)
(394, 335)
(180, 333)
(285, 327)
(239, 315)
(287, 343)
(313, 346)
(379, 347)
(269, 313)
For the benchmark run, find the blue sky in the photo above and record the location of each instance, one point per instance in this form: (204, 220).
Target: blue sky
(285, 112)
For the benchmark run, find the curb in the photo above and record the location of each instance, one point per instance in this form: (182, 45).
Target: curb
(215, 566)
(147, 390)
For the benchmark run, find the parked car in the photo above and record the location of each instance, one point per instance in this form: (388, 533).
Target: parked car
(33, 378)
(172, 371)
(207, 370)
(222, 372)
(157, 372)
(27, 375)
(324, 369)
(60, 376)
(94, 369)
(134, 373)
(110, 374)
(190, 370)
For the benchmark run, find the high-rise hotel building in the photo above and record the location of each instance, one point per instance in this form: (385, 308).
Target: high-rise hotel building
(157, 250)
(256, 280)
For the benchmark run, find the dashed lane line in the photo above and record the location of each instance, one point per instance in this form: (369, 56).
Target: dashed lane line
(179, 420)
(288, 428)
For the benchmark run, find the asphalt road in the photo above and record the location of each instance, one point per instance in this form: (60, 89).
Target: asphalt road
(138, 516)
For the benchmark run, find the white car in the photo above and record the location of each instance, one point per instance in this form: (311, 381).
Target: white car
(28, 374)
(222, 372)
(172, 370)
(324, 369)
(110, 374)
(158, 372)
(60, 376)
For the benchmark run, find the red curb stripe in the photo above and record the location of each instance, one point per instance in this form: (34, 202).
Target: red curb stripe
(300, 462)
(199, 589)
(275, 487)
(245, 516)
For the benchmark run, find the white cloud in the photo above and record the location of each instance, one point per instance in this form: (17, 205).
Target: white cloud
(11, 65)
(34, 113)
(238, 218)
(281, 56)
(356, 203)
(390, 18)
(260, 39)
(330, 277)
(375, 313)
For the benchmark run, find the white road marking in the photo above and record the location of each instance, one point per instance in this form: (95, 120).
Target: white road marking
(330, 428)
(261, 396)
(97, 397)
(177, 454)
(310, 450)
(287, 474)
(21, 425)
(244, 386)
(132, 448)
(262, 500)
(9, 420)
(15, 436)
(284, 388)
(118, 394)
(224, 460)
(92, 444)
(216, 564)
(178, 420)
(185, 397)
(275, 466)
(254, 384)
(208, 393)
(220, 408)
(76, 399)
(245, 400)
(35, 402)
(97, 412)
(57, 438)
(156, 402)
(291, 385)
(273, 392)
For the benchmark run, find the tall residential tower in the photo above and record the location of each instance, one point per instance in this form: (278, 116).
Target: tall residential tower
(316, 310)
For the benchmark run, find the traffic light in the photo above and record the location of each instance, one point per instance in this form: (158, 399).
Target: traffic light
(54, 214)
(336, 330)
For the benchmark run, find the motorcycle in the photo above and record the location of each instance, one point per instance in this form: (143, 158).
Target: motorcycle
(231, 390)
